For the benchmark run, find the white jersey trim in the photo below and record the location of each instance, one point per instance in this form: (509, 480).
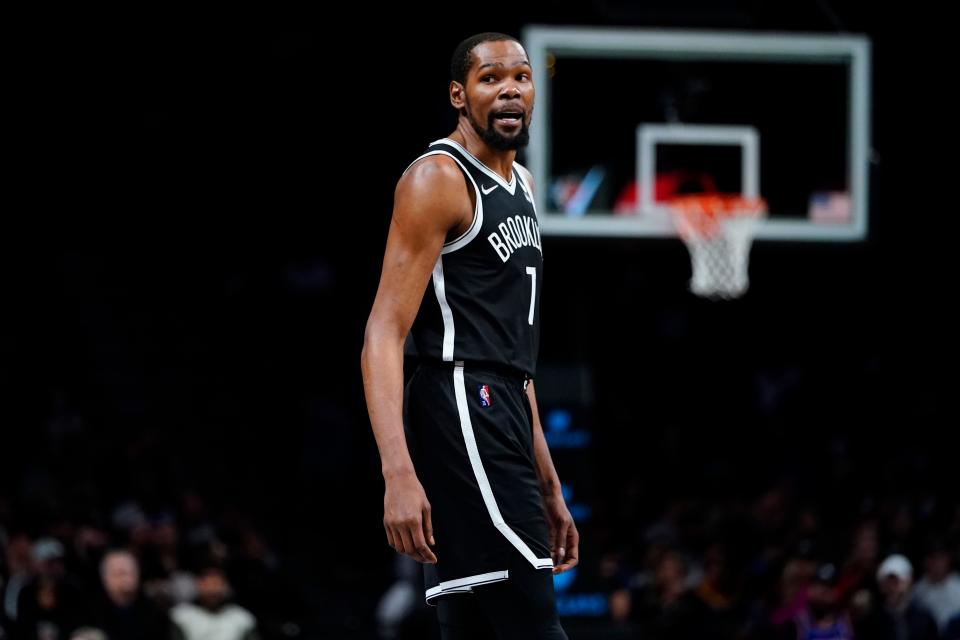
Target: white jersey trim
(477, 223)
(465, 585)
(439, 287)
(511, 186)
(526, 187)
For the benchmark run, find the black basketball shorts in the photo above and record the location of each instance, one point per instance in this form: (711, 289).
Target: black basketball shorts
(469, 431)
(521, 608)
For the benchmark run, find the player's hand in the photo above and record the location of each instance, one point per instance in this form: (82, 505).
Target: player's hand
(406, 518)
(564, 537)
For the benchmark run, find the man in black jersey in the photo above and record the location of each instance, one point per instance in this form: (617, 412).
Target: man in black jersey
(462, 275)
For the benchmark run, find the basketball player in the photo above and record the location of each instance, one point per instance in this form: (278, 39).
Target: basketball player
(471, 490)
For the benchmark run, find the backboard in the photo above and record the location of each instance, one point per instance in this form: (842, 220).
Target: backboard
(627, 118)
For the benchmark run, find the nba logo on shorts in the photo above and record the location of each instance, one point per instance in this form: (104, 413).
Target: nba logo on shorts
(485, 399)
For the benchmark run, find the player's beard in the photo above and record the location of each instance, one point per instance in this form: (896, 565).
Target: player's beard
(497, 140)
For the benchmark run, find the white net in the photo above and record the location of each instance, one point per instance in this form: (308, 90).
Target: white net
(718, 232)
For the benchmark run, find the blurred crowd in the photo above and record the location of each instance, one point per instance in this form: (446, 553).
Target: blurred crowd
(180, 528)
(120, 534)
(774, 568)
(770, 568)
(169, 575)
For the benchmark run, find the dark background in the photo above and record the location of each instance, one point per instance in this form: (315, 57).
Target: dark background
(193, 240)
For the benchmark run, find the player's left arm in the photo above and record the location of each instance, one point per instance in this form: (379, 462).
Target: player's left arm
(564, 537)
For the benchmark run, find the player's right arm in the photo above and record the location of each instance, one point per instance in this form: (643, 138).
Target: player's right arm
(430, 201)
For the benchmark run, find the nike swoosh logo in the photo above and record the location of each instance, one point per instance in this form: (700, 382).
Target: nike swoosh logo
(486, 191)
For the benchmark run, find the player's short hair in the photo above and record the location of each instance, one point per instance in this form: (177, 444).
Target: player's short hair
(463, 55)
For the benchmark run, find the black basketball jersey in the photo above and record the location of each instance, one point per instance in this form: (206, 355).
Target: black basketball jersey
(482, 302)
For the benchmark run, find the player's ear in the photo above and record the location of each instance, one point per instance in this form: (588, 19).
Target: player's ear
(458, 96)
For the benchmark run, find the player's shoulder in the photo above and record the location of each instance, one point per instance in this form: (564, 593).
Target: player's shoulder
(432, 192)
(431, 172)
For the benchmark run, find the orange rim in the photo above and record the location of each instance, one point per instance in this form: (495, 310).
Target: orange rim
(700, 214)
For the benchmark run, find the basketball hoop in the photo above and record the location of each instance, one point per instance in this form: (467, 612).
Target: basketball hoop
(718, 230)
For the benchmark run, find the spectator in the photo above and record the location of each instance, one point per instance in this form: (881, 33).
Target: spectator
(715, 608)
(898, 616)
(798, 572)
(213, 616)
(52, 605)
(823, 618)
(165, 582)
(123, 613)
(857, 573)
(20, 572)
(939, 589)
(664, 607)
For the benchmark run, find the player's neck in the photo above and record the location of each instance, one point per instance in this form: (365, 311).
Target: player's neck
(499, 161)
